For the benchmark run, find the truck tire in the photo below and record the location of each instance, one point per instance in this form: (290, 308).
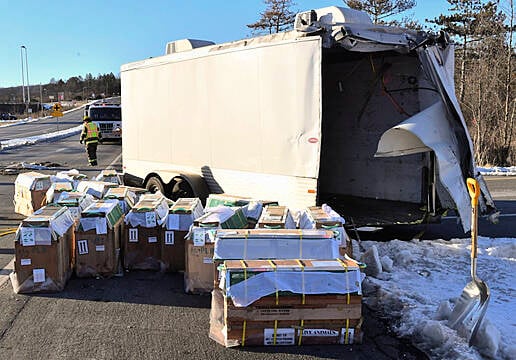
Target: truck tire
(154, 184)
(182, 189)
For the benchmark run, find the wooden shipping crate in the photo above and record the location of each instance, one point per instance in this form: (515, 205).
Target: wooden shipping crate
(199, 267)
(30, 190)
(276, 217)
(180, 217)
(144, 233)
(43, 251)
(98, 254)
(297, 330)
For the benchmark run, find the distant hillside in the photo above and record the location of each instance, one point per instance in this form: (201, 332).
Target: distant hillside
(75, 88)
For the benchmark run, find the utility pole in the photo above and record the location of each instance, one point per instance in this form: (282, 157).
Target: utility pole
(22, 73)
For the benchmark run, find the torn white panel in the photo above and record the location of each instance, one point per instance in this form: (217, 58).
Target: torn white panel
(430, 130)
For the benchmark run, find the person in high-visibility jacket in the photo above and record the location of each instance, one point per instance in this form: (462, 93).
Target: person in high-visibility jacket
(90, 135)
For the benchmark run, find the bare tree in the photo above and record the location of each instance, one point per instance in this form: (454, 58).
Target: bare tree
(277, 17)
(382, 9)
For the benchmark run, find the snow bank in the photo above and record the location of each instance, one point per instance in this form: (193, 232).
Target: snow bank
(15, 143)
(425, 280)
(497, 170)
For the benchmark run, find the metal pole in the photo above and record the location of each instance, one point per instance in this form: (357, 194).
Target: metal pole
(41, 99)
(27, 70)
(22, 73)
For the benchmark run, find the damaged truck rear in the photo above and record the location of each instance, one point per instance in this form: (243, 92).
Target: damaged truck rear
(339, 111)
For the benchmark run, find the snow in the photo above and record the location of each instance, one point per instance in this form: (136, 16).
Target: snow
(427, 277)
(497, 170)
(15, 143)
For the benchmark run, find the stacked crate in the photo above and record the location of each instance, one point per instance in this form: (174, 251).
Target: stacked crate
(180, 218)
(126, 198)
(97, 239)
(42, 251)
(199, 267)
(324, 217)
(276, 217)
(97, 189)
(143, 233)
(75, 201)
(287, 302)
(30, 192)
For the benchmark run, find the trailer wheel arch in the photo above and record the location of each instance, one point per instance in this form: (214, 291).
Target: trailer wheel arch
(189, 185)
(153, 183)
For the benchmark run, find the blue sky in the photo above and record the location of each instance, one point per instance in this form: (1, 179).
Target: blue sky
(66, 38)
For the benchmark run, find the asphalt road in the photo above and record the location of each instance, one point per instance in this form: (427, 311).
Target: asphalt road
(42, 126)
(142, 315)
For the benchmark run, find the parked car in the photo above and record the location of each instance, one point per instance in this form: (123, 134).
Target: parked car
(7, 116)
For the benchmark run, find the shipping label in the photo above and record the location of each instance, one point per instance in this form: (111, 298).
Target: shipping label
(27, 237)
(150, 219)
(25, 262)
(199, 237)
(82, 247)
(169, 238)
(39, 185)
(207, 260)
(38, 275)
(100, 248)
(133, 235)
(284, 336)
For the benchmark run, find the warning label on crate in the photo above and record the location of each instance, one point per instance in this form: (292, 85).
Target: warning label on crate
(283, 336)
(82, 247)
(133, 235)
(169, 238)
(346, 336)
(320, 332)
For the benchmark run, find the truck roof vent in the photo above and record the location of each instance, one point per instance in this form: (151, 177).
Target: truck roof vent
(185, 45)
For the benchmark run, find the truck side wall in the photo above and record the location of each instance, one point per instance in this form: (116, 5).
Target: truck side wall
(254, 111)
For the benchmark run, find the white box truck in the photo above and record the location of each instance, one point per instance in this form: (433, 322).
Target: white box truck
(338, 111)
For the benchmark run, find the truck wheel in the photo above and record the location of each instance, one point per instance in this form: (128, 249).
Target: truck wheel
(181, 189)
(154, 184)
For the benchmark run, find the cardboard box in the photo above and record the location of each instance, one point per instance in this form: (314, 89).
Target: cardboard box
(97, 248)
(57, 188)
(144, 233)
(42, 251)
(126, 197)
(324, 217)
(180, 217)
(97, 189)
(223, 217)
(276, 217)
(108, 175)
(72, 175)
(30, 192)
(75, 201)
(199, 267)
(273, 244)
(215, 200)
(247, 281)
